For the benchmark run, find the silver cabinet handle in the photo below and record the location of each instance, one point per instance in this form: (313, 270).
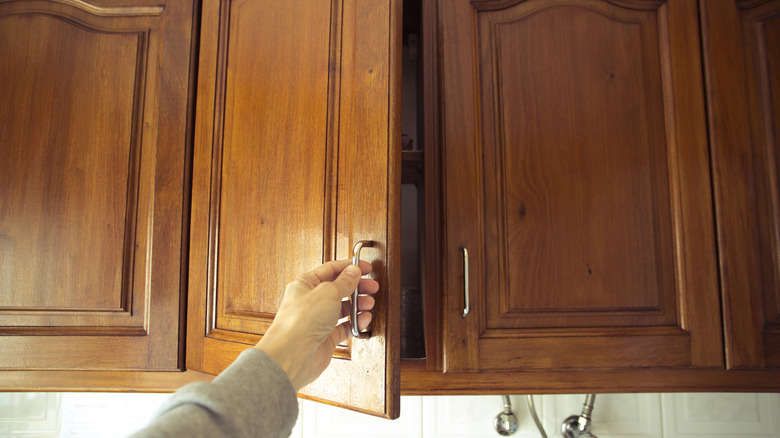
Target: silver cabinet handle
(466, 307)
(354, 297)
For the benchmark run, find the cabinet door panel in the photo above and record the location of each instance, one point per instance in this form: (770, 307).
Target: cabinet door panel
(271, 193)
(90, 192)
(576, 175)
(51, 167)
(292, 166)
(742, 60)
(579, 209)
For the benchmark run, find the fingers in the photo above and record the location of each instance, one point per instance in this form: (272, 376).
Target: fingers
(365, 267)
(340, 333)
(365, 304)
(368, 286)
(343, 330)
(345, 284)
(337, 279)
(331, 270)
(322, 273)
(364, 319)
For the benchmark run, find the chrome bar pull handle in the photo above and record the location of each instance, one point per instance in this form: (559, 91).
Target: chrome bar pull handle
(354, 298)
(466, 307)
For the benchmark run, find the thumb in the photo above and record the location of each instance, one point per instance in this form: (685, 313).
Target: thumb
(347, 281)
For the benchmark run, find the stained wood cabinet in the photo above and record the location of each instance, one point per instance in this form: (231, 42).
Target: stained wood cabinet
(615, 198)
(742, 62)
(576, 174)
(295, 161)
(298, 106)
(94, 127)
(609, 165)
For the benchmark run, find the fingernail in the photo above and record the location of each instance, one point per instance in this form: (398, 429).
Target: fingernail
(353, 271)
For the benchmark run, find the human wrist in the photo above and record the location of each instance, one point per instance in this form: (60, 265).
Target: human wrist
(284, 356)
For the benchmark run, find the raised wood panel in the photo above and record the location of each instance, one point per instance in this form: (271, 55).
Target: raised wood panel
(70, 169)
(293, 164)
(742, 48)
(563, 349)
(91, 193)
(597, 251)
(272, 184)
(576, 173)
(418, 381)
(267, 160)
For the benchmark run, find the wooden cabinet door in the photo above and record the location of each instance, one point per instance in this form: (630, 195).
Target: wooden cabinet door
(576, 175)
(296, 158)
(93, 138)
(742, 61)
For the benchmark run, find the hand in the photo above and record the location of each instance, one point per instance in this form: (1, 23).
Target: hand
(306, 331)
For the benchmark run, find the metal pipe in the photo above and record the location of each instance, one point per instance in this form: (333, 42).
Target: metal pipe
(578, 426)
(532, 409)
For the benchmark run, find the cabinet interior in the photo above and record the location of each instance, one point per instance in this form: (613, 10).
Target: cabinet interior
(413, 202)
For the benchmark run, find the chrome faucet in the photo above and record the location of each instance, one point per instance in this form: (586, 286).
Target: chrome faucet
(578, 426)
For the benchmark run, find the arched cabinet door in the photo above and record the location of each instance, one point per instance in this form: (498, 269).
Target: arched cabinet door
(93, 121)
(296, 159)
(576, 175)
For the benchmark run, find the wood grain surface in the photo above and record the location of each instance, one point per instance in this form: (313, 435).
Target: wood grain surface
(576, 173)
(741, 53)
(94, 126)
(297, 157)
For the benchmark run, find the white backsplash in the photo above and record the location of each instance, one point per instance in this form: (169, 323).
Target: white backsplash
(688, 415)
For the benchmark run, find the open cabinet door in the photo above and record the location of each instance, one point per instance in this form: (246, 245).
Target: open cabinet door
(297, 157)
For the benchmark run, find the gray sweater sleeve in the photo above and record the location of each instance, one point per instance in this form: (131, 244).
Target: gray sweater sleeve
(253, 397)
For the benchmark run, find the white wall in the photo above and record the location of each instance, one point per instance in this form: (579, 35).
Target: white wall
(78, 415)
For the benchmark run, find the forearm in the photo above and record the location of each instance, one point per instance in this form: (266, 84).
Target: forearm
(253, 397)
